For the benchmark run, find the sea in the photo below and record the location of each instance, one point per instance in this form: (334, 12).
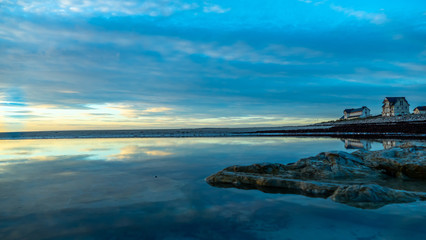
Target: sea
(155, 188)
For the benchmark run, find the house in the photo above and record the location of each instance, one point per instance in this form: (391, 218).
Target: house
(395, 106)
(420, 110)
(356, 112)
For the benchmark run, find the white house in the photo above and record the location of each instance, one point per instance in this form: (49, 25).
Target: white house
(420, 110)
(395, 106)
(362, 112)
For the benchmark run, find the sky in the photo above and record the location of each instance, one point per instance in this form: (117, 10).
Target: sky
(132, 64)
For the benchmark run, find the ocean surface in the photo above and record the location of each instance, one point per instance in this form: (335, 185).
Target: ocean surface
(154, 188)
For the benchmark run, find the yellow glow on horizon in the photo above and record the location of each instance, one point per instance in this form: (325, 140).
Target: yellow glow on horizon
(124, 116)
(158, 153)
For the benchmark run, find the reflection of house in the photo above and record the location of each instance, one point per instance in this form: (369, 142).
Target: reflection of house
(388, 144)
(395, 106)
(356, 112)
(420, 110)
(357, 144)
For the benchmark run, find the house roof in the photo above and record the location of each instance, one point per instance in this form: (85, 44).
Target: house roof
(420, 108)
(393, 100)
(352, 110)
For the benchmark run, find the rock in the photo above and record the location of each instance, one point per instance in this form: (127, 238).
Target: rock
(372, 195)
(404, 161)
(274, 184)
(361, 179)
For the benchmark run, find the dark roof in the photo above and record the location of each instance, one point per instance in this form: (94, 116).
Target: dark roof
(393, 100)
(420, 108)
(351, 110)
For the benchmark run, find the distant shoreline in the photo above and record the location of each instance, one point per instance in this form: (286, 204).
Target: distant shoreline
(406, 127)
(412, 130)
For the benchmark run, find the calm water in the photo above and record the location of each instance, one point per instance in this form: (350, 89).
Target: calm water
(155, 189)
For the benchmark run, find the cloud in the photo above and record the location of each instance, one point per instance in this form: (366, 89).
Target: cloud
(368, 76)
(171, 47)
(158, 153)
(240, 51)
(376, 18)
(314, 2)
(157, 110)
(130, 110)
(153, 8)
(412, 66)
(68, 91)
(215, 9)
(114, 7)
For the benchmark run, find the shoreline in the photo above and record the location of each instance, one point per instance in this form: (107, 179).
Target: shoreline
(409, 129)
(405, 127)
(200, 134)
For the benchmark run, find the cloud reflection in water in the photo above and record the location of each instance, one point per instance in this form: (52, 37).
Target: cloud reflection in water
(155, 188)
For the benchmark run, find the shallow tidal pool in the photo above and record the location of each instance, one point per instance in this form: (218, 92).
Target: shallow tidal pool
(154, 188)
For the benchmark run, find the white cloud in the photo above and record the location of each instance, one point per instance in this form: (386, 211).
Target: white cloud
(315, 2)
(240, 51)
(376, 18)
(379, 77)
(171, 48)
(157, 110)
(152, 8)
(215, 9)
(130, 110)
(412, 66)
(114, 7)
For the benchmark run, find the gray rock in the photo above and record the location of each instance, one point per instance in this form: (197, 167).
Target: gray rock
(404, 161)
(373, 195)
(362, 179)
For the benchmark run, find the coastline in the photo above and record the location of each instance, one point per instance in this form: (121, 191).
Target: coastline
(406, 130)
(406, 127)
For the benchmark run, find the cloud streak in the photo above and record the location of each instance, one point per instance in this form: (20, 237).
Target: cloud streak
(152, 8)
(376, 18)
(215, 9)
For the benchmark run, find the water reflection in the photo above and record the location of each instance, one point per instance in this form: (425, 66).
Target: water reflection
(377, 144)
(132, 152)
(357, 144)
(19, 151)
(388, 144)
(155, 189)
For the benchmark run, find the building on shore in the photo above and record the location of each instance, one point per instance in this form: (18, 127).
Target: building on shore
(395, 106)
(420, 110)
(362, 112)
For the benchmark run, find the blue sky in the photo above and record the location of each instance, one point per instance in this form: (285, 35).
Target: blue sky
(80, 64)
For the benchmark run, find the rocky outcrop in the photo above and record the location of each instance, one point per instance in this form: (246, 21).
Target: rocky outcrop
(403, 161)
(361, 179)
